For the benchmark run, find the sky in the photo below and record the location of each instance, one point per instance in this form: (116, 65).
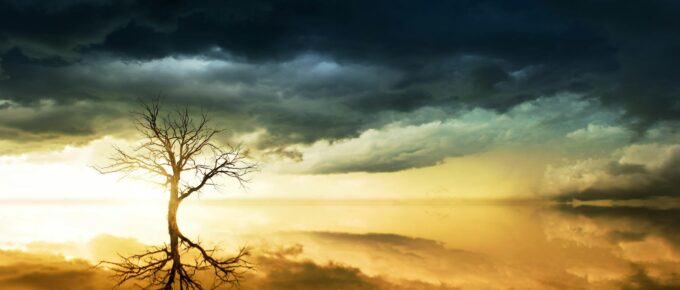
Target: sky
(352, 99)
(399, 144)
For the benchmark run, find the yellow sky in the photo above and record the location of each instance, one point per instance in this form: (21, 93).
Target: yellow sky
(67, 174)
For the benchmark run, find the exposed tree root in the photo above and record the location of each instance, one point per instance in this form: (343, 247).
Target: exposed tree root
(158, 268)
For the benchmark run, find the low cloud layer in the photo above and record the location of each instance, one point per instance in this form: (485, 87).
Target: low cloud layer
(575, 124)
(640, 172)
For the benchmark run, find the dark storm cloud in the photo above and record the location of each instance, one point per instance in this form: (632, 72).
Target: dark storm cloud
(408, 36)
(287, 99)
(372, 60)
(48, 29)
(616, 168)
(71, 122)
(646, 36)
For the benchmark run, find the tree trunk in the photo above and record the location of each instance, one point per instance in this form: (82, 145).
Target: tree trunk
(173, 231)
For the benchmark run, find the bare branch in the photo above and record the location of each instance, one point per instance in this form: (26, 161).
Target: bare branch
(230, 163)
(155, 269)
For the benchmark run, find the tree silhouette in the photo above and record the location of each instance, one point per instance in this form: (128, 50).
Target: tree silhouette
(178, 150)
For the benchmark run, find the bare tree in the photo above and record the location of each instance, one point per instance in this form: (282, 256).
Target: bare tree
(178, 151)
